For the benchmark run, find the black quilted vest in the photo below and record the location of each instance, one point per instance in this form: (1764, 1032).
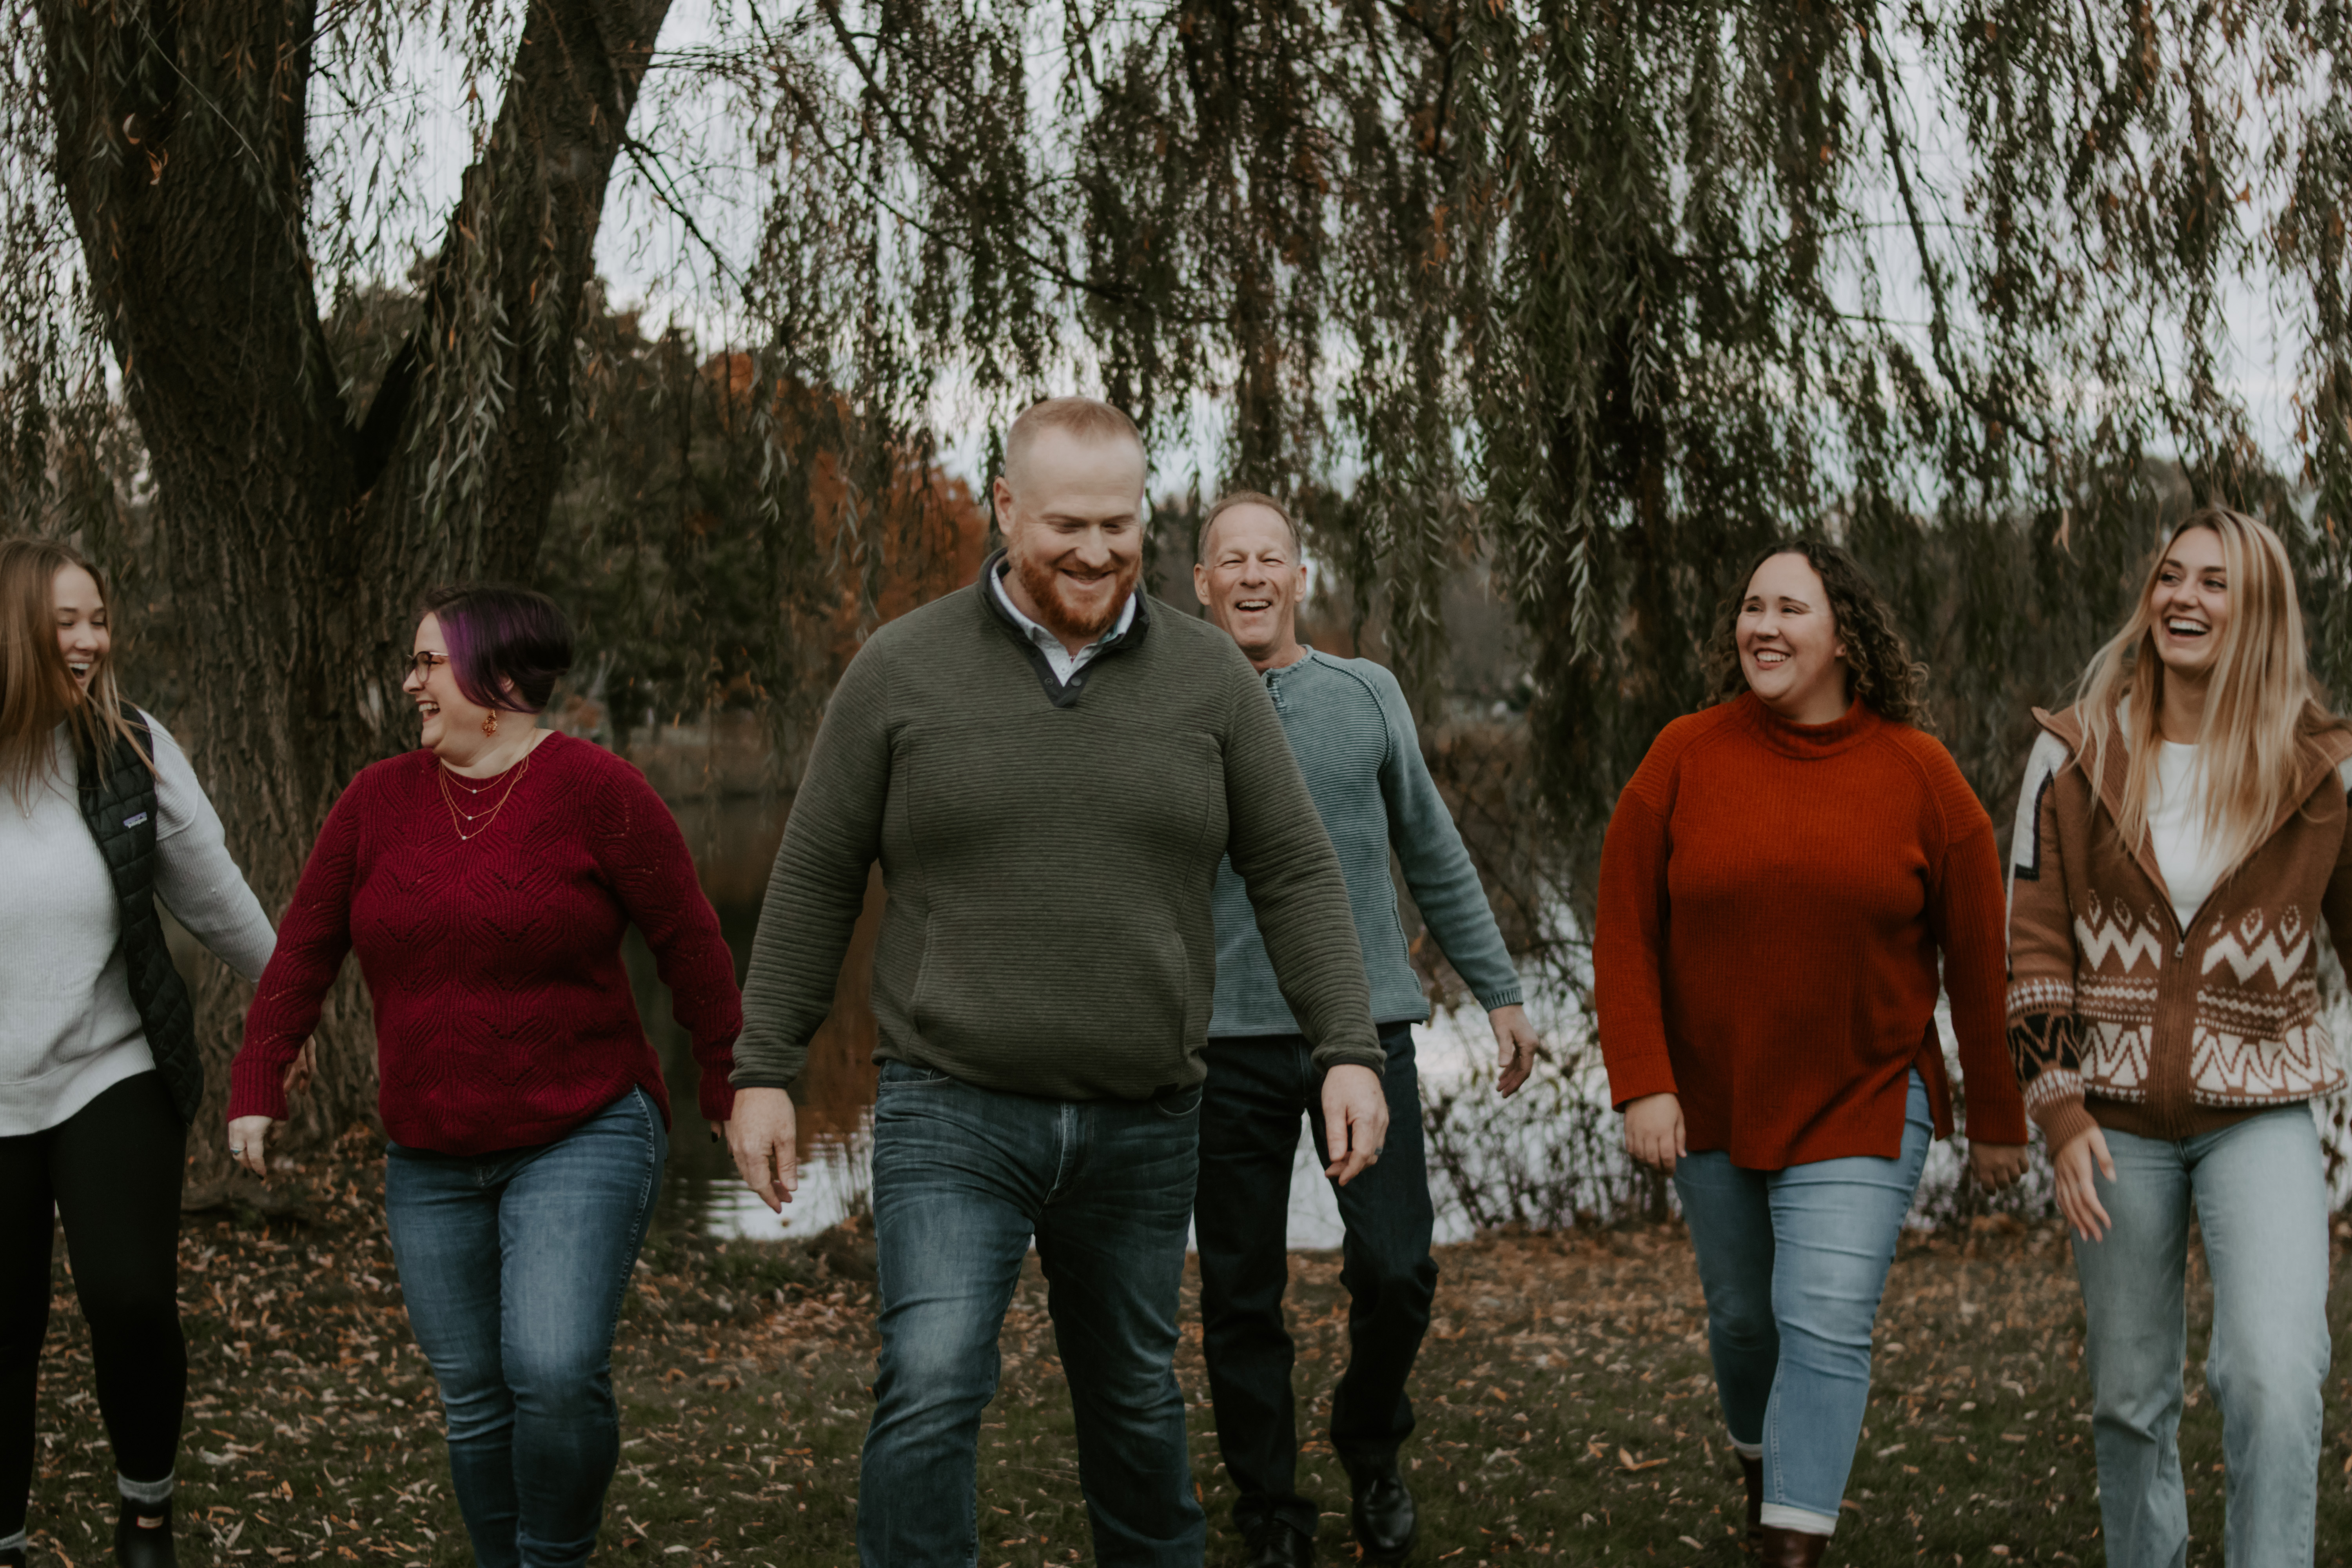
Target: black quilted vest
(118, 801)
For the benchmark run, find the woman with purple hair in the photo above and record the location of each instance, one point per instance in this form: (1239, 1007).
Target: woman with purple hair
(485, 882)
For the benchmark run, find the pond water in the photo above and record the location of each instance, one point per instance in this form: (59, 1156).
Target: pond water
(734, 842)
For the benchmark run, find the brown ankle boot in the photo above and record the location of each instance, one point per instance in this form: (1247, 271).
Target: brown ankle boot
(1752, 1472)
(1780, 1548)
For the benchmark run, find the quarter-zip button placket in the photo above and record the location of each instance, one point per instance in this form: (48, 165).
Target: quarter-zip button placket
(2168, 980)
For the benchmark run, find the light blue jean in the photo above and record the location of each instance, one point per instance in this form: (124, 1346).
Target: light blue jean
(514, 1266)
(2259, 1190)
(1793, 1262)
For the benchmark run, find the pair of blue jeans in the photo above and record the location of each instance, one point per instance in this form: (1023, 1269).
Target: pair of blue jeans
(963, 1177)
(2259, 1190)
(1793, 1262)
(514, 1266)
(1258, 1088)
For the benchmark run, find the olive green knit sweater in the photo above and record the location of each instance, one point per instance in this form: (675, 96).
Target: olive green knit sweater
(1049, 853)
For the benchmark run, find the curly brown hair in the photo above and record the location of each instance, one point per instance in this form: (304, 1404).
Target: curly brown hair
(1883, 674)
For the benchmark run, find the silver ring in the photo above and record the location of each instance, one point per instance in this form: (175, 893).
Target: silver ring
(237, 1148)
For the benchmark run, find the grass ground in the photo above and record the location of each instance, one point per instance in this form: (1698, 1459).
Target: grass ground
(1567, 1409)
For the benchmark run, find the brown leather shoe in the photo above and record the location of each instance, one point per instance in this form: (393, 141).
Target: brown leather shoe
(1752, 1472)
(1779, 1548)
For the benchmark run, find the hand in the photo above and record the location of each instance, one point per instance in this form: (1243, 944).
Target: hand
(1654, 1130)
(247, 1138)
(1355, 1121)
(2078, 1192)
(1995, 1165)
(298, 1070)
(1516, 1043)
(760, 1135)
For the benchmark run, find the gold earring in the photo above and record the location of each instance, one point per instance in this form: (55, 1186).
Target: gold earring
(491, 722)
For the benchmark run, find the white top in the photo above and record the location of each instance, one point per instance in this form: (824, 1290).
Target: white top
(2176, 830)
(1064, 663)
(68, 1029)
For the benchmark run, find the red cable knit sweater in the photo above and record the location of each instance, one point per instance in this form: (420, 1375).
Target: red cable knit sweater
(503, 1015)
(1772, 899)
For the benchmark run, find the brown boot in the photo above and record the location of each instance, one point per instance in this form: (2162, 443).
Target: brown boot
(1752, 1472)
(1780, 1548)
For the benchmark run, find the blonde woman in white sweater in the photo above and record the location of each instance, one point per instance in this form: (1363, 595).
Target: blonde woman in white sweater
(100, 817)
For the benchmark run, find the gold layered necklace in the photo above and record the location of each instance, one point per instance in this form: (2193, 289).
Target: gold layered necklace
(463, 820)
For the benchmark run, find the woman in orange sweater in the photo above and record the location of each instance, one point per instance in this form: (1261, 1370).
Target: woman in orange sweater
(1777, 880)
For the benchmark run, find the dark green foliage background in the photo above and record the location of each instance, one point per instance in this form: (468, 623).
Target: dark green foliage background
(1610, 294)
(1598, 295)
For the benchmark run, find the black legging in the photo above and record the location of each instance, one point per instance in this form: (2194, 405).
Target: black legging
(112, 1172)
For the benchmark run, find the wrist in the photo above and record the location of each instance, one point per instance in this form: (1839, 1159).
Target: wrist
(1633, 1077)
(1333, 1058)
(2065, 1122)
(2080, 1138)
(263, 1101)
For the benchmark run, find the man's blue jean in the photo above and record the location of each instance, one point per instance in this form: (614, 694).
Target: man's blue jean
(962, 1178)
(514, 1266)
(2259, 1190)
(1793, 1262)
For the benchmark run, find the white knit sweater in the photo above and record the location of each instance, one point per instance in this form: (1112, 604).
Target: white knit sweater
(68, 1029)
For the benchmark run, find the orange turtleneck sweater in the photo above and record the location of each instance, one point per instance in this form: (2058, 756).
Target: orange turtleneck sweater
(1773, 897)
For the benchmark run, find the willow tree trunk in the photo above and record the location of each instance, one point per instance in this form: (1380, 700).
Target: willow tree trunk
(297, 532)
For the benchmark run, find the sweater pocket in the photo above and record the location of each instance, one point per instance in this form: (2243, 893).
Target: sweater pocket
(1099, 1006)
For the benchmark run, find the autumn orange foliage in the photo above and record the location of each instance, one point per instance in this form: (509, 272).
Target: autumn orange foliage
(930, 536)
(931, 532)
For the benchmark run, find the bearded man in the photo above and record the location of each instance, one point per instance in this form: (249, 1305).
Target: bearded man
(1049, 768)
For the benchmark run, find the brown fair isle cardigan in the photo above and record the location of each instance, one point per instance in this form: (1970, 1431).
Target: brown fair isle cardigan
(2118, 1016)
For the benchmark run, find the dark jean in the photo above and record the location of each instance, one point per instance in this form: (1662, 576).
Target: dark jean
(1258, 1088)
(514, 1265)
(962, 1178)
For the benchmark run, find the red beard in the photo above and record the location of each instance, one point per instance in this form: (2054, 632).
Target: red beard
(1056, 611)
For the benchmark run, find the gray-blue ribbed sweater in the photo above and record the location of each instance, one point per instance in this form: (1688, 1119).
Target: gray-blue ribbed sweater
(1353, 735)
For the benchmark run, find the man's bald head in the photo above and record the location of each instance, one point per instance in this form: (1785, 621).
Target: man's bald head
(1084, 419)
(1070, 503)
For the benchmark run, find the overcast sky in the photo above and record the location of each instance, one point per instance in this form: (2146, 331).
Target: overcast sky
(645, 255)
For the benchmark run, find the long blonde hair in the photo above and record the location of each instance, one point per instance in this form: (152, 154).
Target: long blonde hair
(37, 691)
(2261, 699)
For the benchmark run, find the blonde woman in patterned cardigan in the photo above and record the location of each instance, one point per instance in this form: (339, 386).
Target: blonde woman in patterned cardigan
(2180, 852)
